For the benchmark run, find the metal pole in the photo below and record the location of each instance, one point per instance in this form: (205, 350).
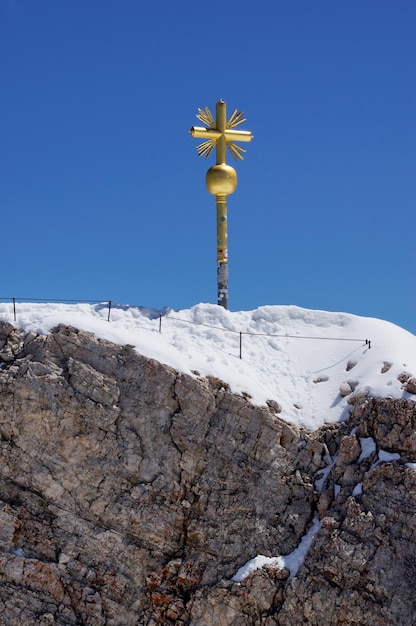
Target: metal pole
(221, 202)
(222, 251)
(222, 279)
(221, 179)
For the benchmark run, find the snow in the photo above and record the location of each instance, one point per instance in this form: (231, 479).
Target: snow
(368, 446)
(323, 475)
(297, 357)
(358, 489)
(291, 561)
(385, 457)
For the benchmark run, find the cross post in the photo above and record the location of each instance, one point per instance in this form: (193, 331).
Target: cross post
(221, 179)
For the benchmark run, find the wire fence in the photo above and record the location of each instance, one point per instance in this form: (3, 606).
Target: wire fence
(14, 301)
(365, 342)
(167, 316)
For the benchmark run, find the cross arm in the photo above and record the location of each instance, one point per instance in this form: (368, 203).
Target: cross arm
(237, 135)
(212, 133)
(205, 133)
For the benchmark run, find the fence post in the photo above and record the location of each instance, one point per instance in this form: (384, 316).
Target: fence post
(241, 344)
(109, 310)
(14, 308)
(160, 323)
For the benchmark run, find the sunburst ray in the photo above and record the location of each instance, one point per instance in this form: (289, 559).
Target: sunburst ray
(206, 117)
(236, 118)
(205, 148)
(236, 150)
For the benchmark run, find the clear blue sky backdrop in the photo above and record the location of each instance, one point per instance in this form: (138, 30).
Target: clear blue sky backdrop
(102, 195)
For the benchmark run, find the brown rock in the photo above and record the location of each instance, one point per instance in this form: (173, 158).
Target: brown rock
(410, 385)
(131, 494)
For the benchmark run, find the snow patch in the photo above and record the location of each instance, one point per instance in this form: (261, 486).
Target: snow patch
(291, 561)
(368, 446)
(284, 349)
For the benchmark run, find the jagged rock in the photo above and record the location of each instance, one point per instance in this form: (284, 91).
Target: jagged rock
(115, 460)
(392, 424)
(403, 377)
(131, 494)
(359, 397)
(349, 451)
(410, 385)
(352, 571)
(274, 406)
(11, 342)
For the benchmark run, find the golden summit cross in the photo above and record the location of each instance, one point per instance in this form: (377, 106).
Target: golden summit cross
(221, 179)
(220, 133)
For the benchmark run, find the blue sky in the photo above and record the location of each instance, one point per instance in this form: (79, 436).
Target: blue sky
(102, 195)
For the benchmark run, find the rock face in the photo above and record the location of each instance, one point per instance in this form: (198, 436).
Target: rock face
(131, 494)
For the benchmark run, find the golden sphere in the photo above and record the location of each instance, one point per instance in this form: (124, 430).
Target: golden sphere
(221, 180)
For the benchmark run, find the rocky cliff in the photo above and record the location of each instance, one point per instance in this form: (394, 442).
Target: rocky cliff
(132, 494)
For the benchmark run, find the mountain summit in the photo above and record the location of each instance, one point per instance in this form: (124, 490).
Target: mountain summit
(205, 468)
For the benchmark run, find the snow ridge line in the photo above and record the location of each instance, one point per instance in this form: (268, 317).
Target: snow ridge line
(111, 304)
(366, 342)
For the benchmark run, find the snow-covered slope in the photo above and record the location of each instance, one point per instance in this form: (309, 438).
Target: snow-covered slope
(297, 357)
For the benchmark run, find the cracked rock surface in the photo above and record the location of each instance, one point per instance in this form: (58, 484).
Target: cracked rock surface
(131, 494)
